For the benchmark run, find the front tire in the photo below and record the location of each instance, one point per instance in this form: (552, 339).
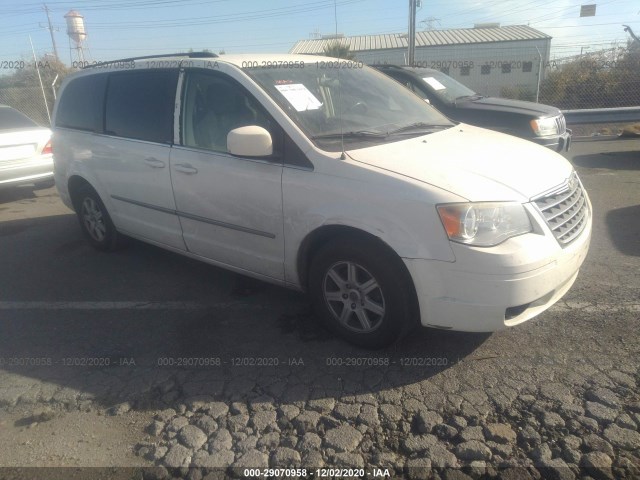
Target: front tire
(95, 221)
(360, 292)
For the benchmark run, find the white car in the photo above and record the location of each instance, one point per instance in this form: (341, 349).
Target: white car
(25, 150)
(326, 176)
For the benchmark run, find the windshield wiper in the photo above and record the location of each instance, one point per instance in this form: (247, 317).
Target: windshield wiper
(357, 134)
(419, 125)
(371, 134)
(475, 96)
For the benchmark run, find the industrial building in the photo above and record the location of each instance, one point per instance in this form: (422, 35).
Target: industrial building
(487, 58)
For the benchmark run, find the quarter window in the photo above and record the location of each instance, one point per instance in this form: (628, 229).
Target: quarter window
(140, 105)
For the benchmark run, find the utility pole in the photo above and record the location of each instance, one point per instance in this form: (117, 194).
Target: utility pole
(53, 40)
(412, 33)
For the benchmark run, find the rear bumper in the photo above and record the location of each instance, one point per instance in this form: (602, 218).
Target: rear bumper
(490, 289)
(29, 170)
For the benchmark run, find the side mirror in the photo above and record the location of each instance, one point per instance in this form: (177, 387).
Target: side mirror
(250, 141)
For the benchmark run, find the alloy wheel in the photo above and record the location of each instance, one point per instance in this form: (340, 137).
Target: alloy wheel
(354, 296)
(93, 219)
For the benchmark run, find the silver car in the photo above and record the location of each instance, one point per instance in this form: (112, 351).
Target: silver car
(25, 150)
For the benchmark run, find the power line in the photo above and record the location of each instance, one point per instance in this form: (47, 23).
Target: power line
(291, 10)
(228, 18)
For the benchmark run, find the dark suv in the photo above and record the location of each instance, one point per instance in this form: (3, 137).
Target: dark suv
(542, 124)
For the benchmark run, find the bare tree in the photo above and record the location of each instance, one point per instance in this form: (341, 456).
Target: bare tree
(627, 29)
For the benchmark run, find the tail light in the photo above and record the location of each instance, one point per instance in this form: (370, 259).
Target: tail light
(47, 150)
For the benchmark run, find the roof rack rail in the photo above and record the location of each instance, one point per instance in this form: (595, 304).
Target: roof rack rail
(164, 55)
(386, 65)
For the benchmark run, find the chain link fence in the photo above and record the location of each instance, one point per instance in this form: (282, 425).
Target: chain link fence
(605, 79)
(28, 86)
(30, 101)
(528, 70)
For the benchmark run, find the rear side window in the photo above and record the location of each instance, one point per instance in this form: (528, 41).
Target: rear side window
(140, 105)
(11, 119)
(81, 104)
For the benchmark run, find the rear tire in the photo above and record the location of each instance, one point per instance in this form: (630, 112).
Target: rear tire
(360, 292)
(95, 221)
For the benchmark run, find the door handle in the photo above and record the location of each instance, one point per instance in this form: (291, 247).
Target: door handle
(185, 168)
(154, 162)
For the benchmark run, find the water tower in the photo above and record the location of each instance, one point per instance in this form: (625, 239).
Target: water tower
(77, 34)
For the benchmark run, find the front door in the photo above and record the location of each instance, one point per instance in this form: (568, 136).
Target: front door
(230, 207)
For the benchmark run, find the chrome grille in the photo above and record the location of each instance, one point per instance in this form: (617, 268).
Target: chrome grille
(561, 123)
(566, 211)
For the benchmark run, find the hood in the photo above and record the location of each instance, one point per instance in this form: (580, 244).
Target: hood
(506, 105)
(474, 163)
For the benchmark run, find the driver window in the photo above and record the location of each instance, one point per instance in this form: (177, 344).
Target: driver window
(213, 106)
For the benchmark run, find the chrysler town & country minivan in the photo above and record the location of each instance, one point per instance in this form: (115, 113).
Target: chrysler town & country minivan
(325, 176)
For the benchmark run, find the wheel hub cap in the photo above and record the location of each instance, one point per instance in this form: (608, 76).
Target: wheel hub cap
(93, 219)
(354, 297)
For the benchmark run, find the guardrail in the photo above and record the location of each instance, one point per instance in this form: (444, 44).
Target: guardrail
(602, 115)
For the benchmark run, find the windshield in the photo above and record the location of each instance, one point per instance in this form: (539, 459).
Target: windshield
(443, 86)
(332, 103)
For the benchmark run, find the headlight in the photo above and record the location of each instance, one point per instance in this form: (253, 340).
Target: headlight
(544, 126)
(483, 224)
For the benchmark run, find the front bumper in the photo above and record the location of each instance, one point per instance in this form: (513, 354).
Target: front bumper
(29, 170)
(489, 289)
(559, 143)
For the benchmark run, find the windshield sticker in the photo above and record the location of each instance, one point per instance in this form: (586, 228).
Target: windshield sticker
(435, 84)
(299, 97)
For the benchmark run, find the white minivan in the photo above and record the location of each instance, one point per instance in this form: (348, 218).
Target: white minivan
(326, 176)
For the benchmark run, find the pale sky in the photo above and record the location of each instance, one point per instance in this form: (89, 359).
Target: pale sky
(123, 28)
